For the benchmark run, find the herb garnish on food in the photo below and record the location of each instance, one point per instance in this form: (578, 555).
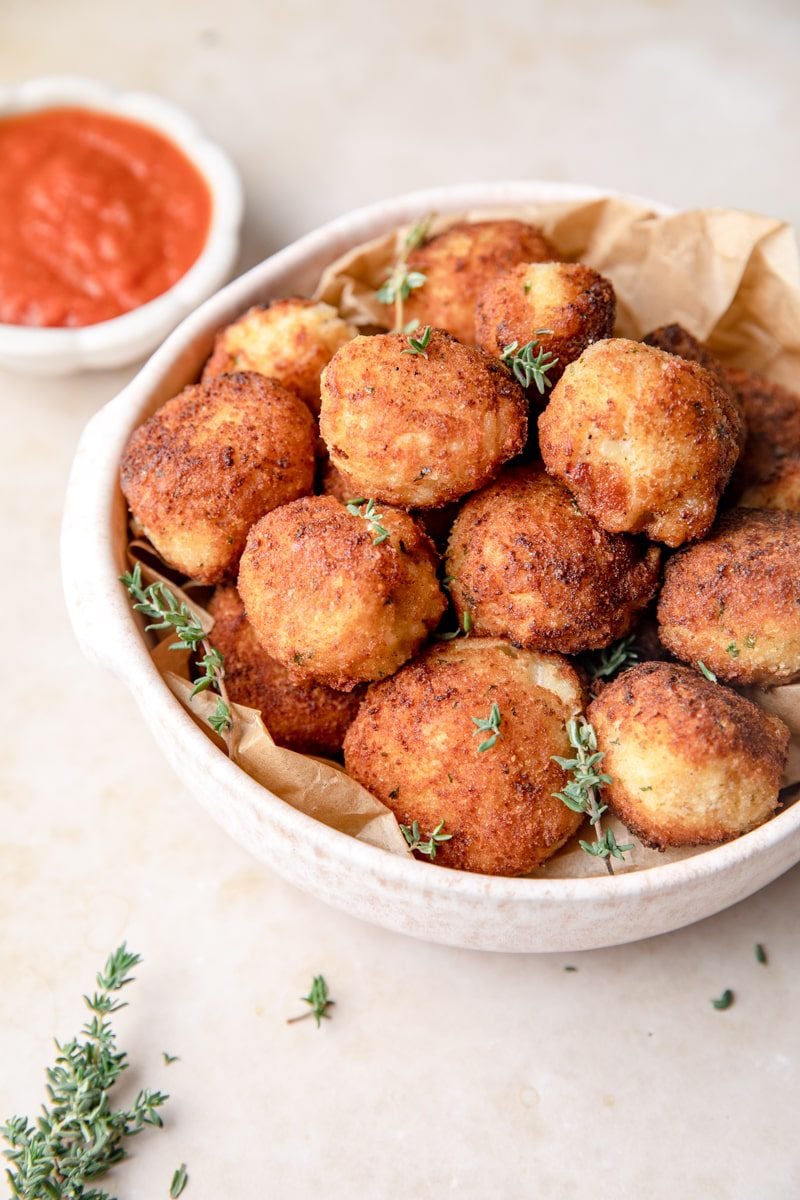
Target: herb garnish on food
(424, 844)
(80, 1136)
(369, 515)
(604, 664)
(419, 345)
(703, 669)
(318, 1000)
(530, 363)
(582, 793)
(401, 282)
(490, 725)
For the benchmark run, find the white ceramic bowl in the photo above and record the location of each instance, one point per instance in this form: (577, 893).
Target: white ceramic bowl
(127, 338)
(400, 893)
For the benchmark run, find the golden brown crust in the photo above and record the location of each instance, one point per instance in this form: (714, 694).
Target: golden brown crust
(692, 763)
(291, 341)
(458, 263)
(772, 413)
(437, 522)
(419, 432)
(526, 564)
(210, 462)
(331, 605)
(733, 600)
(414, 745)
(308, 718)
(645, 441)
(575, 302)
(780, 490)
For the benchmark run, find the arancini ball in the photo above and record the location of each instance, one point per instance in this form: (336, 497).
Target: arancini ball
(733, 600)
(458, 263)
(780, 489)
(291, 341)
(645, 441)
(417, 746)
(340, 597)
(210, 462)
(419, 429)
(691, 762)
(772, 414)
(527, 565)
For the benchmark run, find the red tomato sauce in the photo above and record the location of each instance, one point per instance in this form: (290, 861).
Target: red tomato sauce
(98, 215)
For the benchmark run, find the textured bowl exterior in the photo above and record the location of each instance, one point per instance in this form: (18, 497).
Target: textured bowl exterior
(433, 903)
(133, 335)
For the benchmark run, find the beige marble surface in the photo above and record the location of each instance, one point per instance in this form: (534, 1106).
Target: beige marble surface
(442, 1072)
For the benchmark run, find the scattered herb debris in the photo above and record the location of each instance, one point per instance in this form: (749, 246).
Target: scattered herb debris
(604, 664)
(761, 954)
(427, 844)
(318, 1000)
(732, 649)
(569, 967)
(371, 516)
(179, 1181)
(724, 1001)
(705, 671)
(419, 345)
(490, 725)
(582, 792)
(169, 1058)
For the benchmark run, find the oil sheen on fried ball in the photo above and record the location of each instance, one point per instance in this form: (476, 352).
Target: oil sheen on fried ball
(415, 745)
(210, 462)
(772, 414)
(576, 304)
(692, 763)
(291, 341)
(458, 263)
(645, 441)
(307, 717)
(333, 599)
(780, 489)
(527, 565)
(733, 600)
(419, 431)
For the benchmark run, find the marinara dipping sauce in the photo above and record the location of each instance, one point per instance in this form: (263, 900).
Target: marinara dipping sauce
(98, 214)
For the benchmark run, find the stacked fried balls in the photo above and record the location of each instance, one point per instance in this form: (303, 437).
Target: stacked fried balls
(436, 546)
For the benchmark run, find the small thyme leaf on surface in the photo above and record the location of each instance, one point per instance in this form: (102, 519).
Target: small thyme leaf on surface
(318, 1000)
(750, 640)
(371, 516)
(761, 954)
(169, 1058)
(490, 725)
(424, 844)
(530, 363)
(419, 345)
(732, 649)
(569, 967)
(724, 1001)
(582, 792)
(703, 669)
(179, 1181)
(465, 628)
(604, 664)
(401, 282)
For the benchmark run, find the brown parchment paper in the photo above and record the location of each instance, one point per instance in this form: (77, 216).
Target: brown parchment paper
(731, 278)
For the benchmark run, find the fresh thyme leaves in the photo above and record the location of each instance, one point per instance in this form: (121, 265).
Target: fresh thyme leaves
(371, 516)
(419, 345)
(161, 606)
(417, 234)
(169, 1058)
(465, 627)
(761, 954)
(732, 649)
(79, 1136)
(604, 664)
(703, 669)
(490, 725)
(425, 844)
(179, 1181)
(724, 1001)
(402, 282)
(318, 1000)
(530, 363)
(582, 793)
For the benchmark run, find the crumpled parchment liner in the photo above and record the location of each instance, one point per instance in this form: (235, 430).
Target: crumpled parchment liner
(731, 278)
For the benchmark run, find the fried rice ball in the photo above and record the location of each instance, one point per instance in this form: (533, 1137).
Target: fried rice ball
(692, 763)
(733, 600)
(772, 413)
(677, 340)
(576, 304)
(339, 598)
(781, 489)
(645, 441)
(210, 462)
(291, 341)
(419, 430)
(307, 717)
(526, 564)
(458, 263)
(416, 746)
(437, 522)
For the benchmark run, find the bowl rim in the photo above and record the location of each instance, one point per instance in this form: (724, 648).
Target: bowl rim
(221, 245)
(106, 626)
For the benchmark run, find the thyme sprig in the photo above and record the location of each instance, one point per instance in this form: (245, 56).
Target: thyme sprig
(179, 1181)
(401, 282)
(318, 1000)
(604, 664)
(582, 792)
(490, 725)
(158, 602)
(426, 844)
(79, 1137)
(465, 627)
(371, 516)
(530, 363)
(419, 345)
(706, 671)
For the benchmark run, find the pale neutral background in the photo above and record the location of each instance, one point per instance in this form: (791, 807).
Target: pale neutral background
(442, 1072)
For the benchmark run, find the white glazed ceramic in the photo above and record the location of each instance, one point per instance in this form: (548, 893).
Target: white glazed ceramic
(127, 338)
(430, 902)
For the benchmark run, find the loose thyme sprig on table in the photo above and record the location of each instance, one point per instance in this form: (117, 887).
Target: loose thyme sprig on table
(490, 725)
(604, 664)
(79, 1136)
(160, 604)
(319, 1002)
(582, 793)
(426, 844)
(401, 282)
(530, 363)
(371, 516)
